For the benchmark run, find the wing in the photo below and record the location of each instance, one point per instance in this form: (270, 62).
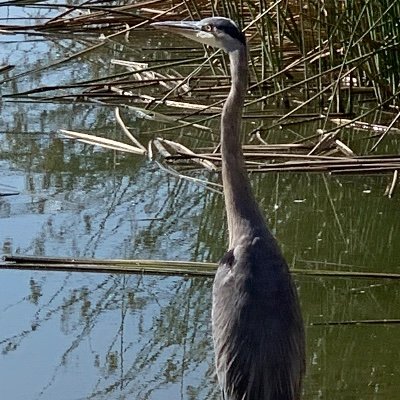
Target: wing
(257, 325)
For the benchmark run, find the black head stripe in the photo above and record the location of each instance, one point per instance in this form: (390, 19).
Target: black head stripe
(230, 29)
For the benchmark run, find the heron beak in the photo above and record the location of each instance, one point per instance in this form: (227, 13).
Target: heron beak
(189, 29)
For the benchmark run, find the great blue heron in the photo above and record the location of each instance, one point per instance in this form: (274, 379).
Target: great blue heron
(257, 326)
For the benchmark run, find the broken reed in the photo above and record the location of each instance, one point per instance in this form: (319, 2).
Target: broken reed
(161, 267)
(266, 162)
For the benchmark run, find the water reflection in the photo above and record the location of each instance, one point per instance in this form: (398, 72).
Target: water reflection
(87, 336)
(97, 336)
(106, 336)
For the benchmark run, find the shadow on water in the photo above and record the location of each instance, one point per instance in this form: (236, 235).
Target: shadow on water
(108, 336)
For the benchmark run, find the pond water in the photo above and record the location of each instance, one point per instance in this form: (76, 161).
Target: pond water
(111, 336)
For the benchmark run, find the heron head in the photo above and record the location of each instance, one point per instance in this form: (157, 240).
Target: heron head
(218, 32)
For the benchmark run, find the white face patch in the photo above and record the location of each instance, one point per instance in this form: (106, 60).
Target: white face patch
(200, 37)
(206, 38)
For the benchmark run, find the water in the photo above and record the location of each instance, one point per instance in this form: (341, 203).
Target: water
(109, 336)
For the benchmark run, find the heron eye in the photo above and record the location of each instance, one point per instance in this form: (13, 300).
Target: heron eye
(208, 28)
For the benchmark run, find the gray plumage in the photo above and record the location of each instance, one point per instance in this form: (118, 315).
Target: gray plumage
(258, 330)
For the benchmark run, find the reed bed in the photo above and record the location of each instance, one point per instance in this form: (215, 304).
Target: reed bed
(334, 63)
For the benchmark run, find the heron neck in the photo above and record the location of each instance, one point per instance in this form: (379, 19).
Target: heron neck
(243, 214)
